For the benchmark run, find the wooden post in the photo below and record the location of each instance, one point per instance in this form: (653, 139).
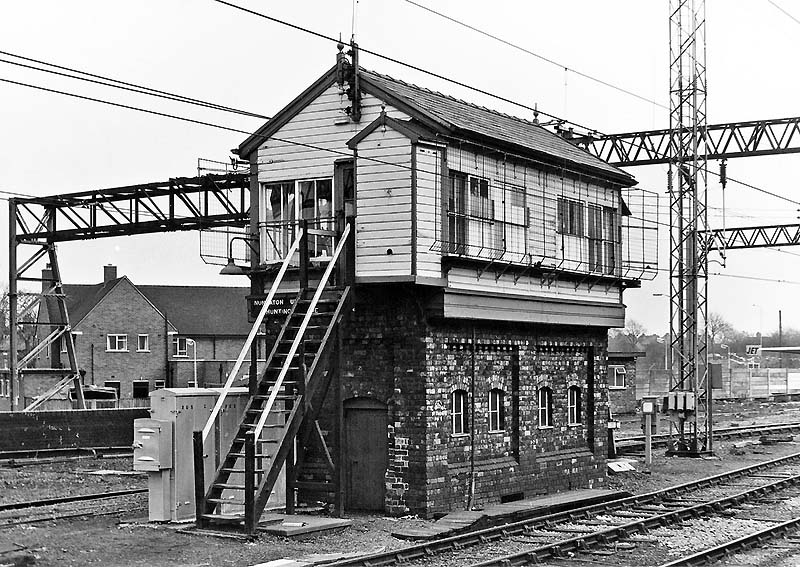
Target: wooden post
(199, 479)
(252, 382)
(249, 483)
(304, 256)
(338, 474)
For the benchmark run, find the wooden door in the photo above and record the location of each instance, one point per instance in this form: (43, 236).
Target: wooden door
(366, 454)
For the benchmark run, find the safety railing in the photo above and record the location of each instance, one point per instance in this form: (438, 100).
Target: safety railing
(300, 333)
(251, 337)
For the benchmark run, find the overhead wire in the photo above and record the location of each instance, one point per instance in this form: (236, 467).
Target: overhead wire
(784, 11)
(566, 68)
(407, 65)
(123, 85)
(457, 82)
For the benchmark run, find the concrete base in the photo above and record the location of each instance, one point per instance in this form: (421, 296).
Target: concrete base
(298, 525)
(496, 514)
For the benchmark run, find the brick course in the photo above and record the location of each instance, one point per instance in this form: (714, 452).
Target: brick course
(394, 355)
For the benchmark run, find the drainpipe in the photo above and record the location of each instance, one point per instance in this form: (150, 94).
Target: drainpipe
(471, 497)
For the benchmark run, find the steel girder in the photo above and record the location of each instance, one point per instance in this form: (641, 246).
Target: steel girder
(752, 237)
(178, 204)
(730, 140)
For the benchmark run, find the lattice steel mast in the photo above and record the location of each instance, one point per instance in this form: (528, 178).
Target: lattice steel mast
(688, 220)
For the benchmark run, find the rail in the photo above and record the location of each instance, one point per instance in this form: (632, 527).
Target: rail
(253, 332)
(299, 336)
(521, 527)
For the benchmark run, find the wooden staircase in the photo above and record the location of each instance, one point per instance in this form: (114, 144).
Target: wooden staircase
(285, 398)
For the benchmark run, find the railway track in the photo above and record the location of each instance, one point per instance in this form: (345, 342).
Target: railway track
(627, 445)
(556, 536)
(103, 503)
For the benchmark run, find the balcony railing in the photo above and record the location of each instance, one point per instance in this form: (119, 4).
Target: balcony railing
(276, 237)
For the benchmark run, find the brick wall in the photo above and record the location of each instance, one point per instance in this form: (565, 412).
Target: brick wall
(123, 311)
(623, 400)
(394, 355)
(548, 459)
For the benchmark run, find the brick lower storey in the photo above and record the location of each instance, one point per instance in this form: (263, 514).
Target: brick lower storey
(410, 367)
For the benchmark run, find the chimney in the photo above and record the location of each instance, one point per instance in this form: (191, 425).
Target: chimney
(109, 273)
(47, 278)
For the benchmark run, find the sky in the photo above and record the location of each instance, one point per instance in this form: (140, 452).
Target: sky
(51, 144)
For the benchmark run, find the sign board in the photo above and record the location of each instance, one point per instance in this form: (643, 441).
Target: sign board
(752, 350)
(280, 306)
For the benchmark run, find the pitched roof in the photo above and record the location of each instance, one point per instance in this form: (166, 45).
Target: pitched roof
(192, 310)
(461, 116)
(454, 117)
(202, 310)
(81, 298)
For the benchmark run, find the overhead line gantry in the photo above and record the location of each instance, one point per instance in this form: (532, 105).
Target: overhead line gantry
(179, 204)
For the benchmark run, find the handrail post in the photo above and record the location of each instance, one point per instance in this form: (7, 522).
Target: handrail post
(304, 255)
(249, 483)
(350, 252)
(252, 382)
(199, 479)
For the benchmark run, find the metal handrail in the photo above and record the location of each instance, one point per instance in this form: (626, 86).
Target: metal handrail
(253, 332)
(299, 336)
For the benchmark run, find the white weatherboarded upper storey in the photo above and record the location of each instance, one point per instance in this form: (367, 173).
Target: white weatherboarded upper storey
(506, 218)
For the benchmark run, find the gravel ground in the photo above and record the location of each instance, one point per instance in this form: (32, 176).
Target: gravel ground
(127, 539)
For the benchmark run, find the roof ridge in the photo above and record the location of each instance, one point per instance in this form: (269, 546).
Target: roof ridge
(458, 100)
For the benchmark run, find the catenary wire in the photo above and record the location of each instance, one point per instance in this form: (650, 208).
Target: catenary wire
(132, 87)
(237, 130)
(188, 100)
(408, 66)
(538, 56)
(784, 11)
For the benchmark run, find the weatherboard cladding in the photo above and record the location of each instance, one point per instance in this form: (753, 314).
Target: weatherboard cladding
(449, 116)
(489, 123)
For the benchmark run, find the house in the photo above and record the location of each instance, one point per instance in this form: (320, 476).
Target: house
(622, 389)
(483, 271)
(136, 338)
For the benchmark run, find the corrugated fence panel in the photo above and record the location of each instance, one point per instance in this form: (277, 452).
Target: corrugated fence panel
(69, 429)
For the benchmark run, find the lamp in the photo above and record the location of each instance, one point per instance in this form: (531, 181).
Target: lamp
(231, 268)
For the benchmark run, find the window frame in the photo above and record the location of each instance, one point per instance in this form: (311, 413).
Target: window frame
(116, 384)
(496, 417)
(574, 409)
(177, 352)
(617, 370)
(139, 383)
(146, 337)
(459, 413)
(571, 217)
(118, 337)
(544, 407)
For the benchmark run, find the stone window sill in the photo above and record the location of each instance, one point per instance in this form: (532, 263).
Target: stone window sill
(617, 387)
(545, 427)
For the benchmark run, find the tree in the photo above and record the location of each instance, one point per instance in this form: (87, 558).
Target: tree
(25, 333)
(630, 336)
(718, 329)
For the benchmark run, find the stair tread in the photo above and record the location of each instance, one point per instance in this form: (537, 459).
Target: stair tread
(257, 455)
(224, 517)
(225, 501)
(235, 470)
(225, 485)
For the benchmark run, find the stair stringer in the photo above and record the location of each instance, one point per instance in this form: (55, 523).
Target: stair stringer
(220, 475)
(298, 414)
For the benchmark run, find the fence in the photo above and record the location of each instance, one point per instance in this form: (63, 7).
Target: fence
(69, 429)
(741, 383)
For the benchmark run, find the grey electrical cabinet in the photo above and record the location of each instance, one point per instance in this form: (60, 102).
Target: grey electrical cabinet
(152, 445)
